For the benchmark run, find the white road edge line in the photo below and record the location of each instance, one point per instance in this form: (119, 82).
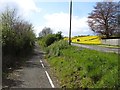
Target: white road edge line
(40, 61)
(42, 65)
(48, 76)
(49, 79)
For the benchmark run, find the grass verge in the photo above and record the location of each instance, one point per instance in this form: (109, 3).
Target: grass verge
(83, 68)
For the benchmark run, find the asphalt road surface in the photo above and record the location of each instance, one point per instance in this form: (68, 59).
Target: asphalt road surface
(98, 48)
(34, 74)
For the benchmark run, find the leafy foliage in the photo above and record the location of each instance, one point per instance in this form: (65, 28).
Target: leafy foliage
(49, 39)
(17, 36)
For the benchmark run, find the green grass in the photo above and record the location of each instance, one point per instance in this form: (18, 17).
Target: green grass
(79, 67)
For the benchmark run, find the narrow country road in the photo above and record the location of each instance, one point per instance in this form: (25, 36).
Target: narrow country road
(98, 48)
(34, 74)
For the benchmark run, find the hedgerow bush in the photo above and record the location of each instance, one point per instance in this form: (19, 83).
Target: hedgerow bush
(49, 39)
(17, 37)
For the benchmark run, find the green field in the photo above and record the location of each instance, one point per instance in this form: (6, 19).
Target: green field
(79, 67)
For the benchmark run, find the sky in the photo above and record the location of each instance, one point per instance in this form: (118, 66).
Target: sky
(54, 14)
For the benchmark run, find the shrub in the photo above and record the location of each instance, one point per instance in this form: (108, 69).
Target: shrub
(49, 39)
(17, 34)
(17, 37)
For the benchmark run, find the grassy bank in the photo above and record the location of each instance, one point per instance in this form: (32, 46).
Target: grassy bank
(78, 67)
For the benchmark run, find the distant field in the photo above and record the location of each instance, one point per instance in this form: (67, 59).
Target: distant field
(86, 40)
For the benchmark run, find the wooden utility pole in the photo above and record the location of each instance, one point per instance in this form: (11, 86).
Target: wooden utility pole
(70, 22)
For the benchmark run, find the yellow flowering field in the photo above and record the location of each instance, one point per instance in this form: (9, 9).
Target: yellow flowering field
(66, 38)
(86, 39)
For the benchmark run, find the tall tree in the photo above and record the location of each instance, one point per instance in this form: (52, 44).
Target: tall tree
(118, 18)
(102, 19)
(118, 12)
(45, 31)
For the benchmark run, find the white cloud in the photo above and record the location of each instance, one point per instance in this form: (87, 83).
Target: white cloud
(60, 22)
(25, 7)
(76, 0)
(56, 21)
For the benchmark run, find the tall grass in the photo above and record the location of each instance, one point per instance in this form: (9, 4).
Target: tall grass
(83, 68)
(55, 48)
